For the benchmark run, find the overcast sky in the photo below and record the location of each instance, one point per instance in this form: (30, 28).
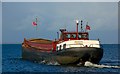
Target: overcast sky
(59, 0)
(17, 19)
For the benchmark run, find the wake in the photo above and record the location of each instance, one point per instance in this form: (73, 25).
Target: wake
(89, 64)
(49, 62)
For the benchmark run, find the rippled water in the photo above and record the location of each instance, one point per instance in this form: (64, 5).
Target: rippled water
(12, 62)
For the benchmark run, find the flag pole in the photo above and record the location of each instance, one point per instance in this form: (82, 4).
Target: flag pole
(81, 26)
(36, 24)
(85, 27)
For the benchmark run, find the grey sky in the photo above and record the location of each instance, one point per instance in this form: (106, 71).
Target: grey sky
(60, 0)
(17, 19)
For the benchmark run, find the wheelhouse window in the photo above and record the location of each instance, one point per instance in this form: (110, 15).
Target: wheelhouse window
(84, 36)
(73, 36)
(67, 36)
(70, 36)
(79, 35)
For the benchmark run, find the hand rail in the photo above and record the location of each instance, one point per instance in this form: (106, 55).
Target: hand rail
(77, 44)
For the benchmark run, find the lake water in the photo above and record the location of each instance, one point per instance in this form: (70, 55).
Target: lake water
(12, 62)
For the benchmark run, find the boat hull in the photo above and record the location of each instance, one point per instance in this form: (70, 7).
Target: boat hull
(66, 56)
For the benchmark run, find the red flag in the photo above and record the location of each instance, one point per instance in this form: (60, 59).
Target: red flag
(87, 27)
(34, 23)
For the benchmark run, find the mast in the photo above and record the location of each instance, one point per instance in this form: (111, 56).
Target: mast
(77, 23)
(81, 26)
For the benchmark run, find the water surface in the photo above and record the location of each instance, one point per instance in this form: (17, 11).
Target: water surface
(12, 62)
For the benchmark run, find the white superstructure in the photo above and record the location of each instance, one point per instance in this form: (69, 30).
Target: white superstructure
(78, 43)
